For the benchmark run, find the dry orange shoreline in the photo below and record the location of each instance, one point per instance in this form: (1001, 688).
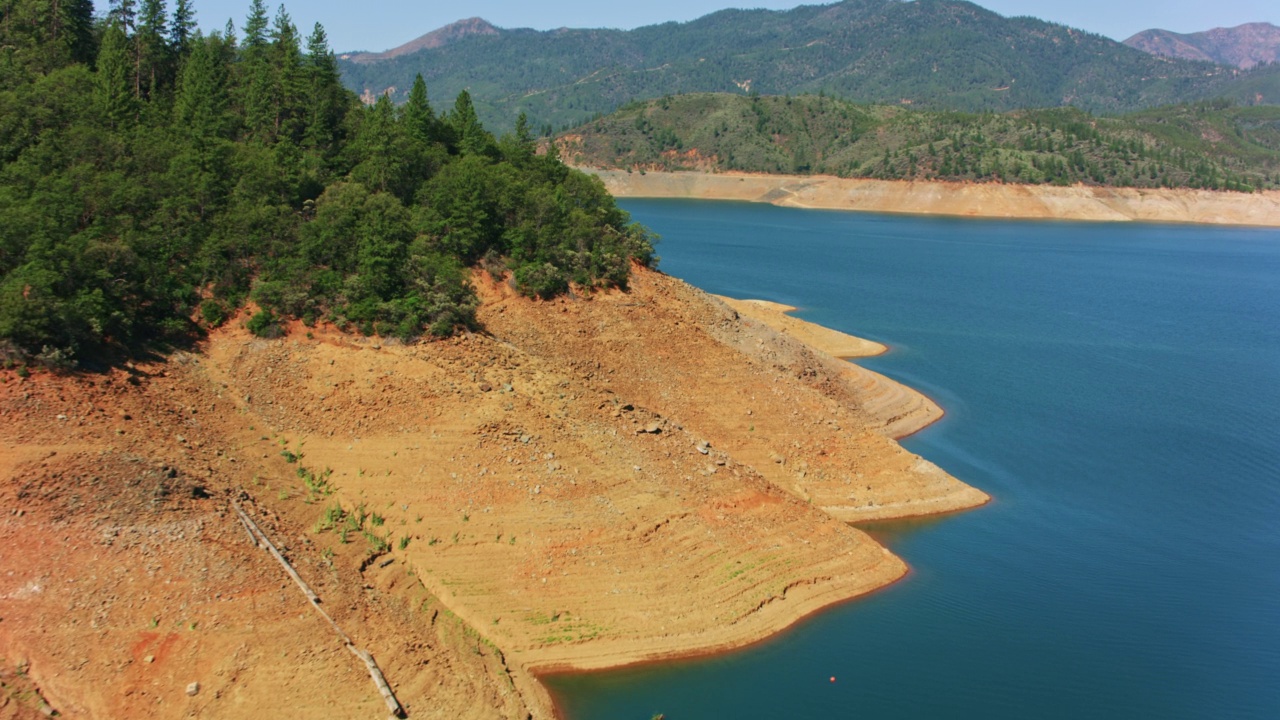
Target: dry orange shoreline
(990, 200)
(595, 481)
(839, 345)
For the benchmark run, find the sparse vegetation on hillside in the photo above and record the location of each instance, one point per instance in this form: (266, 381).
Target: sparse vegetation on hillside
(152, 178)
(1213, 145)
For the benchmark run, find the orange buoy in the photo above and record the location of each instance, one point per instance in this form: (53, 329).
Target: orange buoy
(833, 678)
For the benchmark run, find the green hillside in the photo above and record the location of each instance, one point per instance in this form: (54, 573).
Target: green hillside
(932, 54)
(153, 180)
(1206, 145)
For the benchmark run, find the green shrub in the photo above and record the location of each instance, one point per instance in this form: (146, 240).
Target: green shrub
(542, 280)
(213, 312)
(265, 324)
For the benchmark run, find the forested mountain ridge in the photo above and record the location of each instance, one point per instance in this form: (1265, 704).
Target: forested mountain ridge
(1243, 46)
(1207, 145)
(937, 54)
(153, 179)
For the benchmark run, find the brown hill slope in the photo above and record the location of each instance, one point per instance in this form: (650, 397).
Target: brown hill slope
(435, 39)
(594, 481)
(1243, 46)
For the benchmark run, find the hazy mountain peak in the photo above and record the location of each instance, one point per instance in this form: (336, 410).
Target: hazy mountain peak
(1243, 46)
(434, 39)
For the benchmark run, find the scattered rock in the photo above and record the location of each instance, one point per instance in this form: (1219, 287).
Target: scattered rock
(775, 457)
(193, 689)
(704, 447)
(652, 428)
(149, 659)
(485, 387)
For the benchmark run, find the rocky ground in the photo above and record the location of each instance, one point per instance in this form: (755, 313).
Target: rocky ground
(591, 481)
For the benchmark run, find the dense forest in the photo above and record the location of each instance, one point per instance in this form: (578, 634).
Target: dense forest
(1213, 145)
(153, 180)
(931, 54)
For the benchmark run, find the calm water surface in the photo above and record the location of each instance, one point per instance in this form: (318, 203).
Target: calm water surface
(1115, 387)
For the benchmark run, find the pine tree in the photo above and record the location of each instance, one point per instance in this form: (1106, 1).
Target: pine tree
(255, 26)
(419, 118)
(473, 139)
(114, 88)
(256, 79)
(182, 27)
(39, 36)
(201, 103)
(289, 81)
(326, 96)
(152, 52)
(124, 12)
(74, 28)
(523, 135)
(378, 146)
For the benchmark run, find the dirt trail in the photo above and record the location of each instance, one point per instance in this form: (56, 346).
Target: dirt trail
(995, 200)
(592, 481)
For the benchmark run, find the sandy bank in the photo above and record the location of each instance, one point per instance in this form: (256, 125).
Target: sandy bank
(956, 199)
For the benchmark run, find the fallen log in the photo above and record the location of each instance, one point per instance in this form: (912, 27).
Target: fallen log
(379, 680)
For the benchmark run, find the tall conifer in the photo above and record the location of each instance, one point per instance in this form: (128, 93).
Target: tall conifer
(419, 118)
(182, 27)
(256, 81)
(114, 88)
(326, 95)
(255, 26)
(152, 50)
(289, 81)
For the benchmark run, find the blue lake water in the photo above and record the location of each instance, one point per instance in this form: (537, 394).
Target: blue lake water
(1115, 387)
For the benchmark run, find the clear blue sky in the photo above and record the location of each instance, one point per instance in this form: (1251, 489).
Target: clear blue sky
(382, 24)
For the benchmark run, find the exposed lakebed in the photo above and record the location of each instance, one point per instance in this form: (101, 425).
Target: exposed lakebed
(1115, 387)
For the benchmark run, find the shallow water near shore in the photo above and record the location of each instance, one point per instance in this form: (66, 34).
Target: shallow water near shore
(1115, 387)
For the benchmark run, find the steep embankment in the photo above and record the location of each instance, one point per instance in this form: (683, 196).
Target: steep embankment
(594, 481)
(959, 199)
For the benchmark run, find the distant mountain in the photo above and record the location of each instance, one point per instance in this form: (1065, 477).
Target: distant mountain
(432, 40)
(941, 54)
(1212, 145)
(1243, 46)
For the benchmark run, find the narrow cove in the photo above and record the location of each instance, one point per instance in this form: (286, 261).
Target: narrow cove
(1115, 388)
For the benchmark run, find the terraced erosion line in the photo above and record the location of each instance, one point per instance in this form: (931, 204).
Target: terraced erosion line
(384, 689)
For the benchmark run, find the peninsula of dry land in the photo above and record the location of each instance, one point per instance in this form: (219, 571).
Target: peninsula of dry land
(593, 481)
(995, 200)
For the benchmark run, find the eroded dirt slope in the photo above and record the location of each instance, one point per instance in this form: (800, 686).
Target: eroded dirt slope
(593, 481)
